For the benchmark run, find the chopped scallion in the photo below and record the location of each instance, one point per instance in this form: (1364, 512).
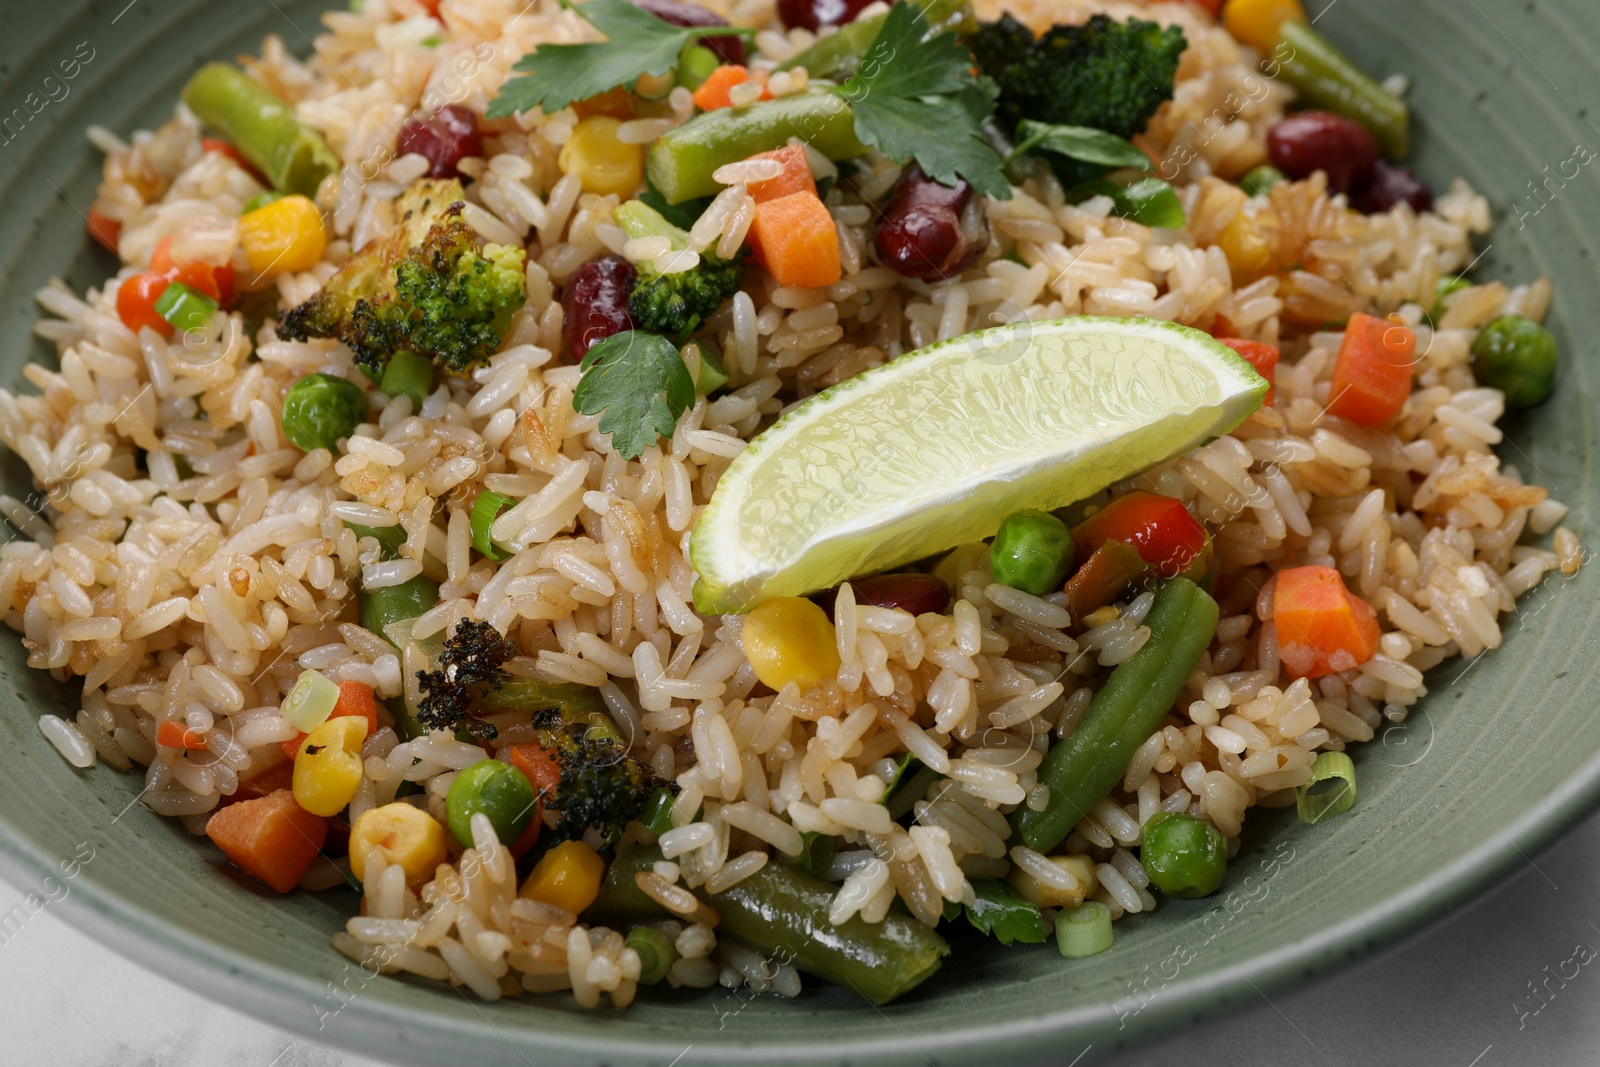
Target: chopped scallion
(485, 510)
(184, 308)
(657, 814)
(310, 702)
(655, 953)
(1084, 930)
(1318, 805)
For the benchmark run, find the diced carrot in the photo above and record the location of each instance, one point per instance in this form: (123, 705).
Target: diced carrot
(355, 698)
(530, 835)
(161, 260)
(1222, 326)
(105, 229)
(713, 92)
(212, 144)
(1260, 355)
(795, 239)
(1211, 6)
(538, 764)
(174, 734)
(1372, 375)
(1322, 627)
(263, 783)
(794, 178)
(272, 838)
(617, 103)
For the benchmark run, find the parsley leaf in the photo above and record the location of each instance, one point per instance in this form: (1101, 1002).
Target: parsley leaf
(1001, 913)
(639, 381)
(918, 99)
(554, 75)
(1082, 143)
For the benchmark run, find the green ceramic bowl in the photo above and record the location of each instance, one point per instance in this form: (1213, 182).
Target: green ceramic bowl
(1500, 759)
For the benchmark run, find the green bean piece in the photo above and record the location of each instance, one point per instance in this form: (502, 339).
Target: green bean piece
(656, 954)
(1032, 552)
(1518, 357)
(392, 603)
(1184, 856)
(1082, 770)
(389, 538)
(782, 911)
(816, 852)
(320, 409)
(294, 158)
(530, 694)
(681, 161)
(838, 54)
(1327, 79)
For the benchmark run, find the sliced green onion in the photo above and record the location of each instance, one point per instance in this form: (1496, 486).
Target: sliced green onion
(1084, 930)
(310, 702)
(485, 510)
(408, 374)
(695, 64)
(1149, 202)
(184, 308)
(657, 814)
(260, 200)
(1323, 804)
(655, 953)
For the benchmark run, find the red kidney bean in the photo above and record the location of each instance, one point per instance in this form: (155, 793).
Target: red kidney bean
(595, 303)
(683, 13)
(446, 137)
(1320, 140)
(814, 14)
(913, 592)
(931, 231)
(1389, 186)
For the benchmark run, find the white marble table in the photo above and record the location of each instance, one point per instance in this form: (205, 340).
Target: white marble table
(1462, 996)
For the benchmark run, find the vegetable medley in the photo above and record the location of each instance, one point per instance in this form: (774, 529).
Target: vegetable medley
(719, 208)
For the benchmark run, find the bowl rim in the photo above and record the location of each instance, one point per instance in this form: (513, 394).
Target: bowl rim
(282, 996)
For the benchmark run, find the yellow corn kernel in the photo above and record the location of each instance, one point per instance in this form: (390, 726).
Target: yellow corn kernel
(285, 235)
(1258, 23)
(790, 639)
(1048, 896)
(602, 163)
(328, 767)
(1247, 251)
(567, 877)
(400, 834)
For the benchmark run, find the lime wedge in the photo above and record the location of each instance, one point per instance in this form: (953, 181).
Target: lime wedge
(939, 446)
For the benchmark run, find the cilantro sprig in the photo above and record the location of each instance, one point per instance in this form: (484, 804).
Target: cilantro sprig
(999, 911)
(918, 99)
(555, 75)
(638, 384)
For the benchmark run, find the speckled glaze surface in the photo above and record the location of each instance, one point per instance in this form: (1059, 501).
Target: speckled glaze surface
(1501, 757)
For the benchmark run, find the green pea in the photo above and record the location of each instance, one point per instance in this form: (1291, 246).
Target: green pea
(1518, 357)
(1261, 180)
(496, 789)
(1184, 856)
(319, 409)
(1032, 552)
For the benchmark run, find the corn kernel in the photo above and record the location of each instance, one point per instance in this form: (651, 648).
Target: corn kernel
(283, 236)
(568, 876)
(400, 834)
(1247, 251)
(602, 163)
(1258, 22)
(1048, 896)
(790, 639)
(328, 767)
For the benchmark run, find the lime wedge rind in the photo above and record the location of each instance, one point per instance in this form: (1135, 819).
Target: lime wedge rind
(938, 446)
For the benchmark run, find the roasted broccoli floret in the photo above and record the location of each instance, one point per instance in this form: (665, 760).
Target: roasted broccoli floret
(674, 305)
(424, 287)
(472, 661)
(602, 787)
(1104, 74)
